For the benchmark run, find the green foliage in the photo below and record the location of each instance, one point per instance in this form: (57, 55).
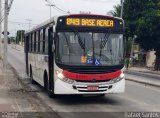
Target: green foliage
(132, 12)
(117, 11)
(128, 47)
(20, 36)
(142, 18)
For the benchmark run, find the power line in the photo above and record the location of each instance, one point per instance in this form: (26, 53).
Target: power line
(61, 10)
(57, 8)
(24, 23)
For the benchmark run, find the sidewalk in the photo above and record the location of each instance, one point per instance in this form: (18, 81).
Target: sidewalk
(17, 47)
(14, 97)
(144, 70)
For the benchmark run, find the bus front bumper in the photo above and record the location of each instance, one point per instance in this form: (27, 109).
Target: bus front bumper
(82, 88)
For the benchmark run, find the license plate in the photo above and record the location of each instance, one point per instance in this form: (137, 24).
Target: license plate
(92, 88)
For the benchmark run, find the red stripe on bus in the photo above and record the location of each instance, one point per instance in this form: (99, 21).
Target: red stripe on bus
(76, 76)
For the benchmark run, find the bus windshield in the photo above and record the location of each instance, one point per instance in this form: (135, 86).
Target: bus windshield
(90, 48)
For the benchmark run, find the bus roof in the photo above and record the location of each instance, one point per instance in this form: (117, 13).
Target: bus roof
(95, 15)
(43, 24)
(54, 20)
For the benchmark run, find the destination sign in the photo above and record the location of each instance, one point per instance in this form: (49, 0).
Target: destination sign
(89, 22)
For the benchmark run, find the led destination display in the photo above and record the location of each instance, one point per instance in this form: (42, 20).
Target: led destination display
(86, 22)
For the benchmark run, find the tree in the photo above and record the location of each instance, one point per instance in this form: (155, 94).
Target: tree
(116, 12)
(20, 36)
(142, 18)
(11, 40)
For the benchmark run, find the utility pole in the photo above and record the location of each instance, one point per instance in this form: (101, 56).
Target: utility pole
(29, 22)
(21, 38)
(122, 1)
(6, 13)
(0, 29)
(50, 5)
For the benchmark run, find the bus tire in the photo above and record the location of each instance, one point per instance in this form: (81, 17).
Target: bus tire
(51, 94)
(45, 77)
(46, 86)
(31, 76)
(102, 95)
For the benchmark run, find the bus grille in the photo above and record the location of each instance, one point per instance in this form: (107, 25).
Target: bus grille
(91, 81)
(84, 88)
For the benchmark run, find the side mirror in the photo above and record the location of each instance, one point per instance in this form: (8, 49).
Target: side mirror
(46, 58)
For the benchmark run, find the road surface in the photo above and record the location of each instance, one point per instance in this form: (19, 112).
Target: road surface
(148, 76)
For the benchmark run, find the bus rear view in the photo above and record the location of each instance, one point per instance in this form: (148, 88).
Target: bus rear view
(89, 55)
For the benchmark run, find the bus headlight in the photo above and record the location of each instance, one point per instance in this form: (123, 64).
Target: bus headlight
(117, 79)
(122, 75)
(63, 78)
(59, 75)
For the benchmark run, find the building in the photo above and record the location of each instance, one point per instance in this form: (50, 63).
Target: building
(150, 59)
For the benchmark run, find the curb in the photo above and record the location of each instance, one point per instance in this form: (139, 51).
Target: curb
(149, 72)
(143, 82)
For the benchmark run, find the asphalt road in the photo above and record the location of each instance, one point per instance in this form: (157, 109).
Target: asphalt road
(144, 75)
(138, 97)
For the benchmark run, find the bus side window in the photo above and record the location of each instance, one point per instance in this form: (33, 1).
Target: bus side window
(41, 40)
(29, 40)
(37, 41)
(33, 42)
(46, 40)
(38, 36)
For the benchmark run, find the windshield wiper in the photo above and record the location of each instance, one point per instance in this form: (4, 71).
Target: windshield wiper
(80, 40)
(68, 45)
(66, 39)
(104, 42)
(100, 54)
(84, 47)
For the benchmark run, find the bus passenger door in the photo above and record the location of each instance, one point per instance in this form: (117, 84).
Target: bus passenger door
(51, 58)
(26, 49)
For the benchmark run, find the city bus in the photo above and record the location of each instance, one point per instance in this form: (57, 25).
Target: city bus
(77, 54)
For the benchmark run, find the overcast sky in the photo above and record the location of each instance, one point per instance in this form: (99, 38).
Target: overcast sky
(37, 11)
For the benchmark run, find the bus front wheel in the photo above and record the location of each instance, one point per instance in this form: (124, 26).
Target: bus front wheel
(46, 86)
(31, 76)
(102, 95)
